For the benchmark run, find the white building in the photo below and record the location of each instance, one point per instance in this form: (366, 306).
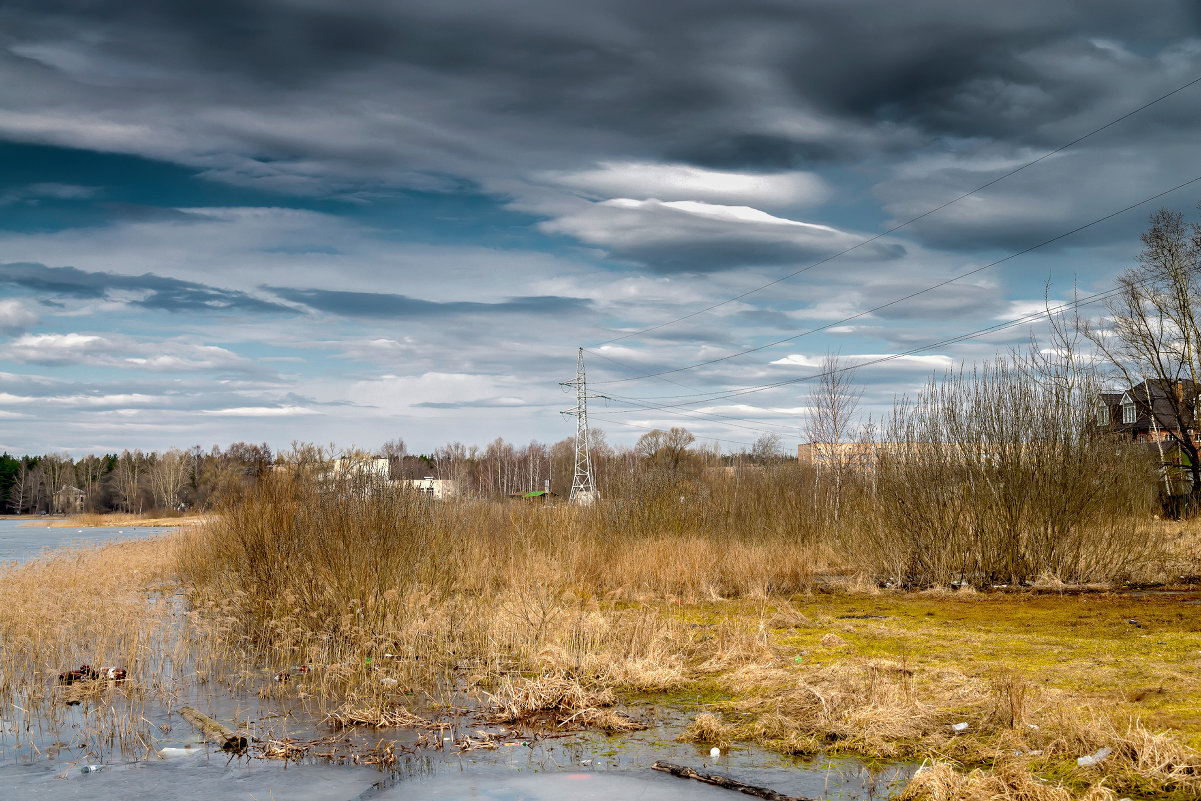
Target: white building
(434, 487)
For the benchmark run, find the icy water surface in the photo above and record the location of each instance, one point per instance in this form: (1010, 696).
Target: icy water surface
(37, 763)
(23, 538)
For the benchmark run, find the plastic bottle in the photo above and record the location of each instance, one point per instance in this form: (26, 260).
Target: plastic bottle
(91, 769)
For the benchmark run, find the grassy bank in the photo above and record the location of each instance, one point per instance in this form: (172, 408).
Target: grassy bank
(123, 520)
(774, 633)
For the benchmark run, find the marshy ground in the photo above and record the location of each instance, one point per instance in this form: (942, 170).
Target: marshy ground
(497, 619)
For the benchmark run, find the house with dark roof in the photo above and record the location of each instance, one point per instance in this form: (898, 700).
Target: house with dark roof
(1151, 411)
(1161, 417)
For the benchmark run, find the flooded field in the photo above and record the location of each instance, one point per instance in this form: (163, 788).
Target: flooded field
(127, 740)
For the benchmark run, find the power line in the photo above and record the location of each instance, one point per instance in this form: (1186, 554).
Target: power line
(648, 428)
(735, 422)
(906, 223)
(911, 295)
(712, 397)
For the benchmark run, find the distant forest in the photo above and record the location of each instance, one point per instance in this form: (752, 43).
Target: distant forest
(196, 479)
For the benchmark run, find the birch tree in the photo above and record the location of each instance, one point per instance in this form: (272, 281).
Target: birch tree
(168, 476)
(833, 403)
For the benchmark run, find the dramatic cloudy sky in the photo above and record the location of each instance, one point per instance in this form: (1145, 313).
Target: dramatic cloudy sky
(350, 221)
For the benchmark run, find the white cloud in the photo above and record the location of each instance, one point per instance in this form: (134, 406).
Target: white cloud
(187, 357)
(735, 214)
(77, 401)
(682, 182)
(697, 236)
(57, 348)
(16, 316)
(124, 352)
(856, 359)
(392, 393)
(259, 411)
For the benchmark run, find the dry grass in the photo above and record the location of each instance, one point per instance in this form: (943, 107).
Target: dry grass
(379, 716)
(121, 520)
(708, 728)
(556, 612)
(560, 700)
(105, 606)
(552, 608)
(942, 782)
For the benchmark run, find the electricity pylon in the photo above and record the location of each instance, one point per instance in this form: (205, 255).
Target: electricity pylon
(583, 486)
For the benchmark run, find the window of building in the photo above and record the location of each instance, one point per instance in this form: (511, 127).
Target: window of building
(1128, 413)
(1102, 414)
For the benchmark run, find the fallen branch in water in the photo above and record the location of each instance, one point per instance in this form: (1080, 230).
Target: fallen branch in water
(230, 740)
(726, 782)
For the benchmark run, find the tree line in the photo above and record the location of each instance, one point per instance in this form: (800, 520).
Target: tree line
(130, 481)
(173, 480)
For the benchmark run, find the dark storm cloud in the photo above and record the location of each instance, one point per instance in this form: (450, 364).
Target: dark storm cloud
(761, 85)
(385, 304)
(151, 291)
(323, 98)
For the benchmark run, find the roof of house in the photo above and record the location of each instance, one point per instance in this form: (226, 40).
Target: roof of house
(1160, 392)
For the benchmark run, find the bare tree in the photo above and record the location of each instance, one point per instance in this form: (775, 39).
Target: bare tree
(168, 476)
(23, 488)
(766, 448)
(665, 448)
(128, 475)
(1153, 333)
(833, 403)
(88, 472)
(56, 470)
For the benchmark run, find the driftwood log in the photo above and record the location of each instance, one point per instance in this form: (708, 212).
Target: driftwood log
(229, 739)
(724, 781)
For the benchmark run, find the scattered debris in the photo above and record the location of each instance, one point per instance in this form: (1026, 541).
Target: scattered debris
(294, 670)
(1093, 759)
(960, 727)
(89, 673)
(82, 673)
(169, 752)
(483, 740)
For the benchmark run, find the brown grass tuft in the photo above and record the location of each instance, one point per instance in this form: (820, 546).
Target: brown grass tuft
(941, 782)
(384, 715)
(709, 729)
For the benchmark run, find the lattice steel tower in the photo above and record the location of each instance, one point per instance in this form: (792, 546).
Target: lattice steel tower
(583, 486)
